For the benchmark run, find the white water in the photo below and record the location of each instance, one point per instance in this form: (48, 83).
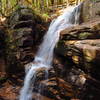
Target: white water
(44, 55)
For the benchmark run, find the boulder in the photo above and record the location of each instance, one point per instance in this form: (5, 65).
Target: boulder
(80, 44)
(84, 53)
(87, 30)
(90, 10)
(25, 32)
(21, 14)
(57, 91)
(50, 86)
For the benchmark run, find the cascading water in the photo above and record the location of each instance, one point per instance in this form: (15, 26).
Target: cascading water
(44, 55)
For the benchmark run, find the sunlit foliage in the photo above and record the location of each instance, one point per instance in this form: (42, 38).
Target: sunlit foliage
(7, 6)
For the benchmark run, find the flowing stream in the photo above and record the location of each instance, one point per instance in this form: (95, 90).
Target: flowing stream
(44, 55)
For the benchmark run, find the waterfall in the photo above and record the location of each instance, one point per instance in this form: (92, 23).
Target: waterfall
(44, 55)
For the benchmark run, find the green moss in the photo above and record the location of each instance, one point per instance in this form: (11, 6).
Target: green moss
(2, 78)
(84, 35)
(95, 0)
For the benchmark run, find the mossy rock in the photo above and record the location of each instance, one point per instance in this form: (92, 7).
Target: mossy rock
(84, 35)
(22, 14)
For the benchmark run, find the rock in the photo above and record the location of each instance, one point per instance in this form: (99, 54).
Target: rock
(39, 96)
(87, 30)
(78, 50)
(42, 72)
(84, 40)
(23, 24)
(90, 52)
(50, 86)
(52, 90)
(2, 49)
(23, 37)
(90, 10)
(2, 42)
(76, 77)
(2, 65)
(9, 92)
(84, 53)
(21, 14)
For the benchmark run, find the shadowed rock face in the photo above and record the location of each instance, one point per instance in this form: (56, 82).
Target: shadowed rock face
(85, 54)
(2, 49)
(2, 42)
(25, 33)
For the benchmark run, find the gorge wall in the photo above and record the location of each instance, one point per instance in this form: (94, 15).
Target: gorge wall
(81, 43)
(76, 65)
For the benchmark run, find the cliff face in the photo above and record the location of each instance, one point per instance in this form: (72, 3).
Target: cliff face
(24, 34)
(81, 43)
(76, 65)
(90, 10)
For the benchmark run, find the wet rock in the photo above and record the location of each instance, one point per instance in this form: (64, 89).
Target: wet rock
(42, 72)
(53, 90)
(84, 53)
(88, 30)
(76, 77)
(80, 44)
(48, 85)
